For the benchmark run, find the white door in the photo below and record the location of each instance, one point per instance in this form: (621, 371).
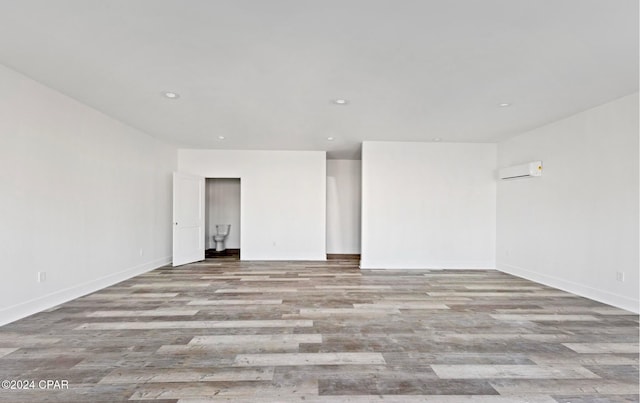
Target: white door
(188, 218)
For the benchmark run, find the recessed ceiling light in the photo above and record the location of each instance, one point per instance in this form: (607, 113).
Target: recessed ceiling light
(340, 101)
(504, 105)
(220, 137)
(330, 138)
(437, 139)
(171, 95)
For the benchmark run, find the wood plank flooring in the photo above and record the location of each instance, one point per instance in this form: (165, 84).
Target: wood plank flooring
(324, 332)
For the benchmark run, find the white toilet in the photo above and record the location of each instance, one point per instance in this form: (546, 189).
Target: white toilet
(222, 230)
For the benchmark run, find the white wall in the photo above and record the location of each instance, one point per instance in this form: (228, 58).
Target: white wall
(283, 199)
(577, 225)
(343, 206)
(223, 207)
(84, 198)
(428, 205)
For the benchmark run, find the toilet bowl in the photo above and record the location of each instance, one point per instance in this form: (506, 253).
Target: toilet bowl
(222, 230)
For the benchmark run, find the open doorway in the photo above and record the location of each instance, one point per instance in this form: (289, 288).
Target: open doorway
(222, 218)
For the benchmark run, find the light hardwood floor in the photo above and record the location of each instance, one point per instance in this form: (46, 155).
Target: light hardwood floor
(324, 332)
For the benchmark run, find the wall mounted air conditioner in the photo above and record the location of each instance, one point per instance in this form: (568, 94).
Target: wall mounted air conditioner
(522, 171)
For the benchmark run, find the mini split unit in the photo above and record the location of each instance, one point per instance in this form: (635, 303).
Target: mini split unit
(527, 170)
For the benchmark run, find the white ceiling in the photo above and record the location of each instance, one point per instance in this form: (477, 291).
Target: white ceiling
(262, 73)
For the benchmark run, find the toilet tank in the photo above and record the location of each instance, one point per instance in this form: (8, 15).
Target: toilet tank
(222, 229)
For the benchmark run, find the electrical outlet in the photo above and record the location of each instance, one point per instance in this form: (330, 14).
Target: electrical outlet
(42, 276)
(620, 276)
(141, 252)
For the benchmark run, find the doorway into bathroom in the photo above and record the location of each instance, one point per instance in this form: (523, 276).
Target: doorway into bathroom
(222, 209)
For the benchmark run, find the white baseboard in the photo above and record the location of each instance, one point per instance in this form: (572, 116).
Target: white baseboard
(48, 301)
(314, 258)
(364, 265)
(582, 290)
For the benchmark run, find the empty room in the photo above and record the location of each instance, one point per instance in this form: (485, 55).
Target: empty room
(329, 201)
